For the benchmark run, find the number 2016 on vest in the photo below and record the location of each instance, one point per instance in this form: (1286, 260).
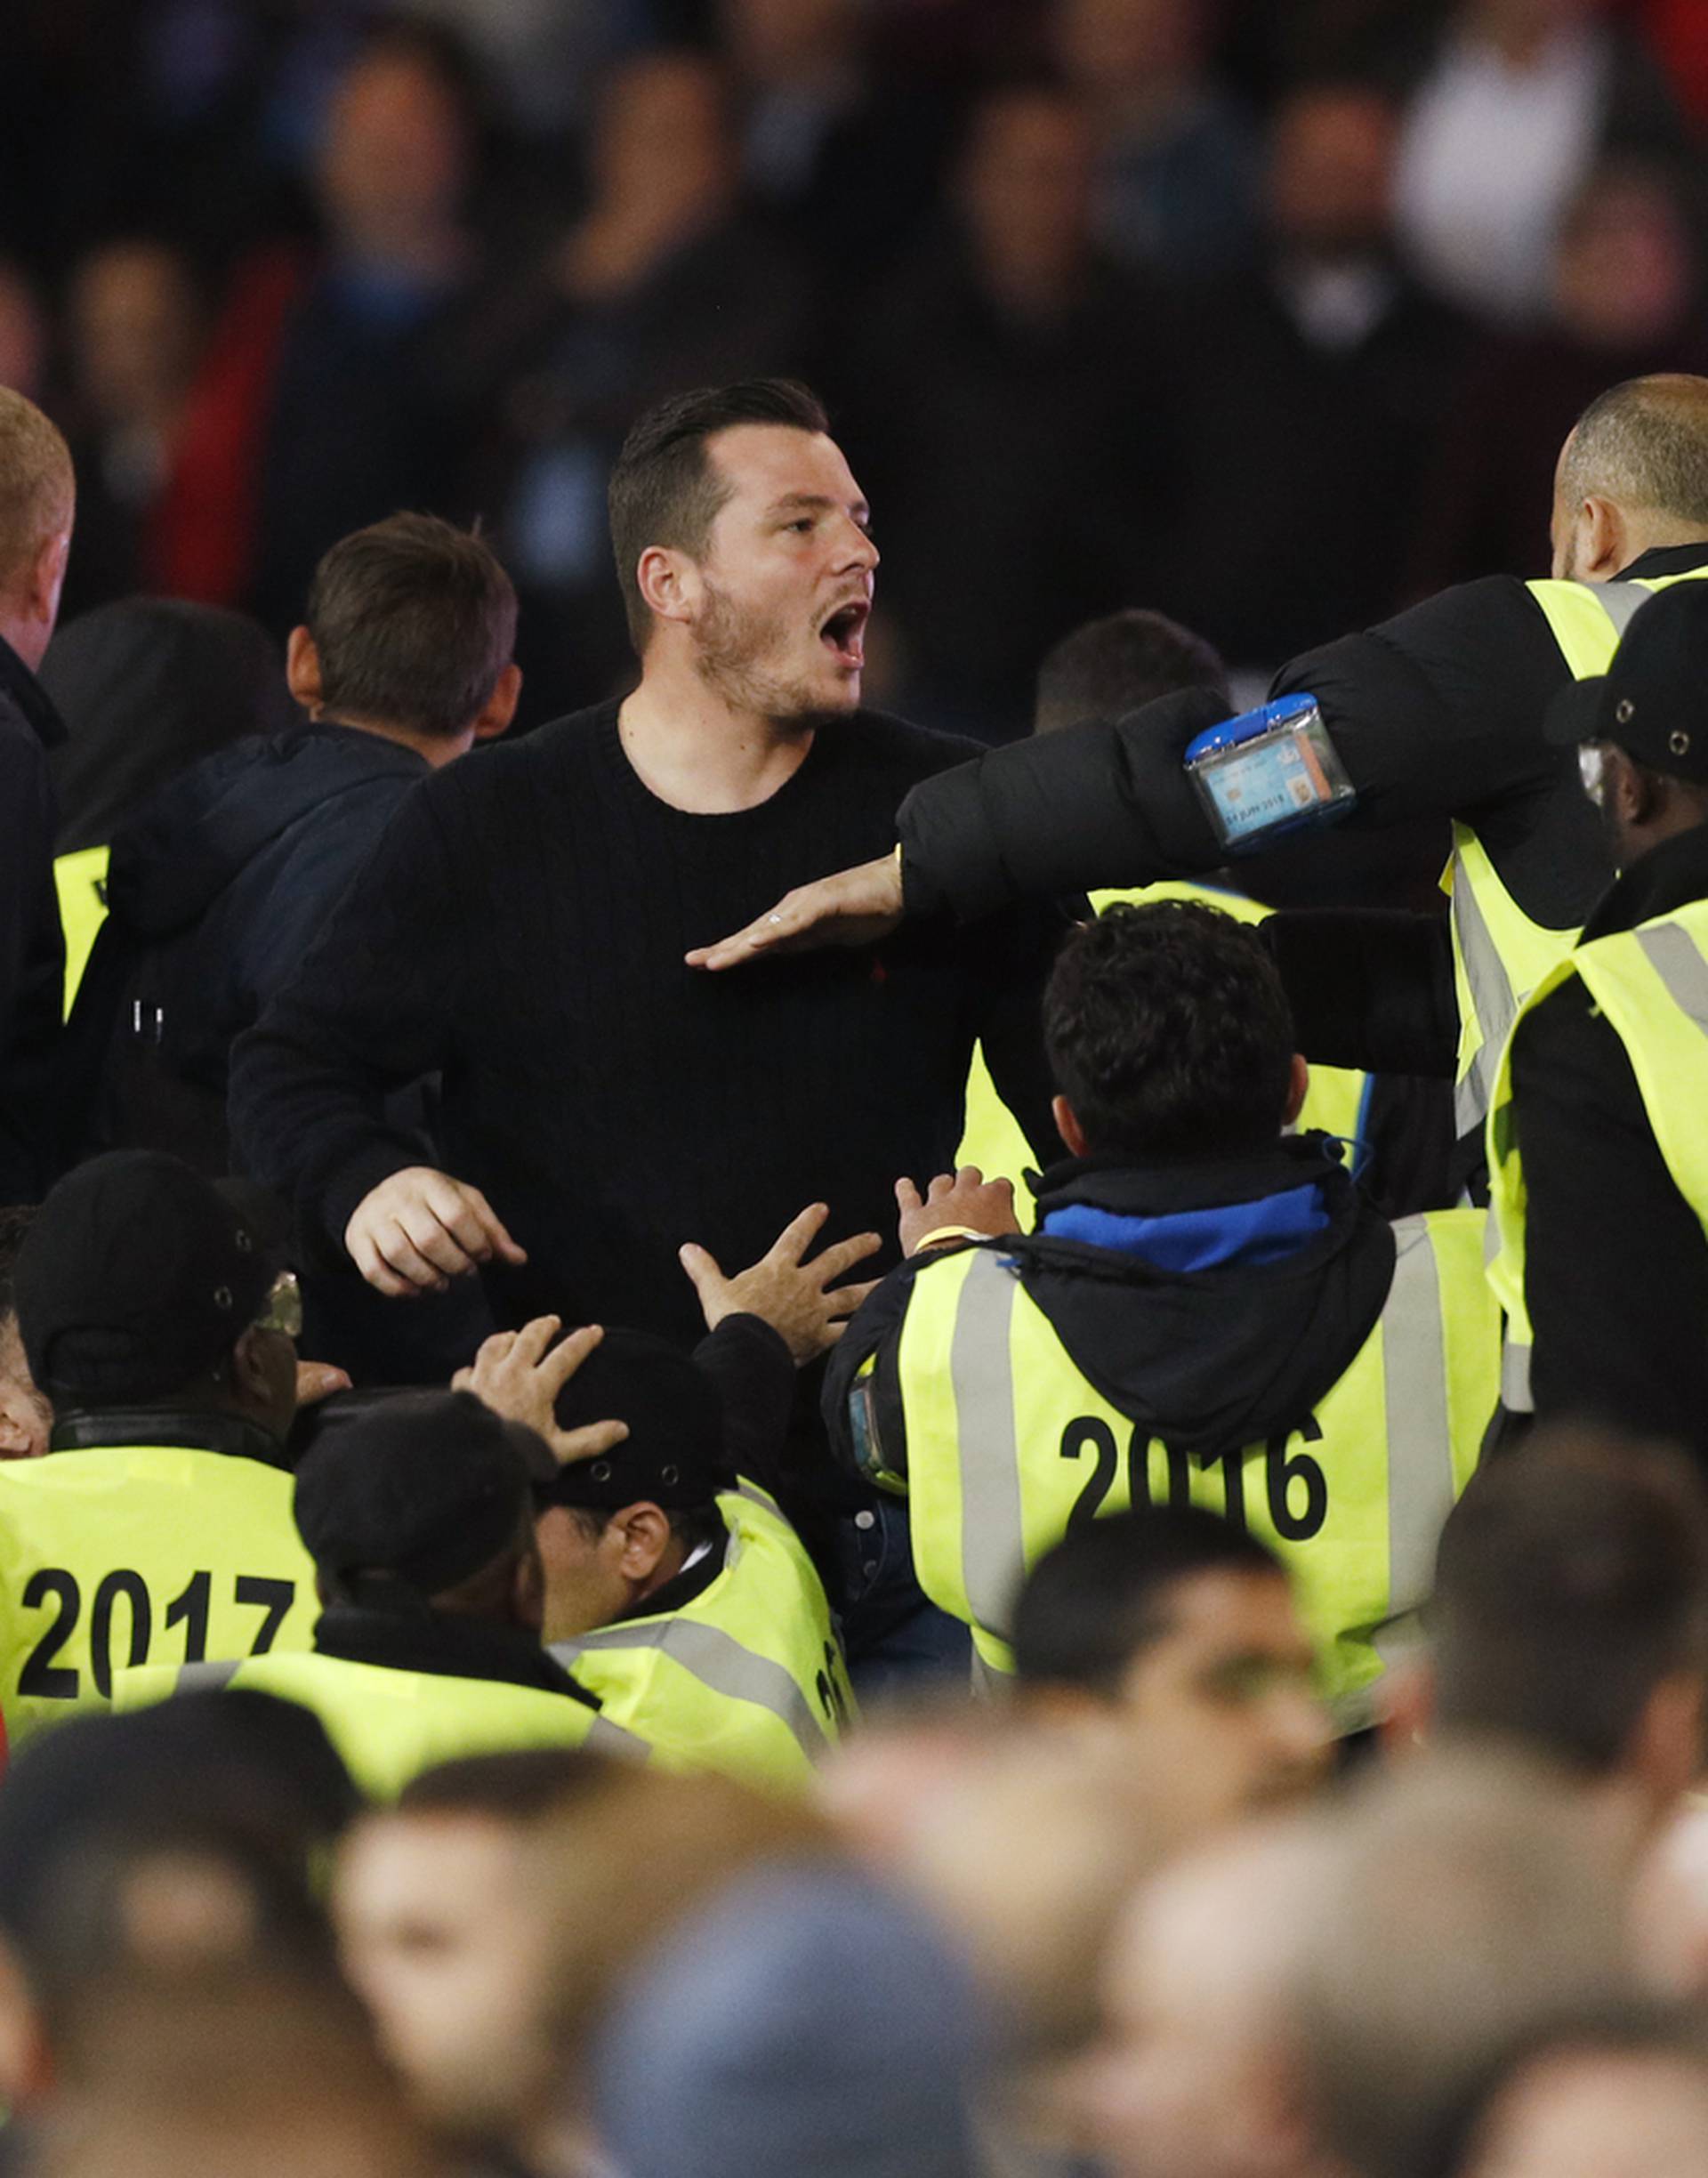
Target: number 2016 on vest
(1295, 1489)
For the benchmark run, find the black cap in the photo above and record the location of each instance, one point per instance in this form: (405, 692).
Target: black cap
(426, 1486)
(1653, 700)
(137, 1276)
(673, 1455)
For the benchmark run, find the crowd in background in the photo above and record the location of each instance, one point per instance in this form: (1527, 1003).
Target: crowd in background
(1115, 293)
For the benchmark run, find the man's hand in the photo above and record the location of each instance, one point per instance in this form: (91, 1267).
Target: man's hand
(316, 1381)
(965, 1197)
(519, 1374)
(419, 1229)
(789, 1293)
(854, 908)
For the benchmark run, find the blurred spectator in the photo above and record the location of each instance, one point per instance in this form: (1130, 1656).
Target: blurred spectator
(1627, 298)
(664, 282)
(1471, 1901)
(1006, 394)
(1312, 394)
(325, 400)
(23, 333)
(1197, 2072)
(134, 335)
(1181, 1631)
(1619, 2093)
(1570, 1619)
(26, 1418)
(1514, 102)
(841, 152)
(1176, 161)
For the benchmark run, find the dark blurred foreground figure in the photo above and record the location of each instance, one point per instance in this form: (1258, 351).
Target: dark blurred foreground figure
(145, 686)
(1569, 1618)
(38, 505)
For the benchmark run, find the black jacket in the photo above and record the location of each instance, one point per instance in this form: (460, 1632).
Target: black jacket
(1435, 713)
(1615, 1260)
(1211, 1360)
(32, 946)
(215, 889)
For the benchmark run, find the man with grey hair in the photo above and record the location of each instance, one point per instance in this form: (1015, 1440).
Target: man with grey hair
(37, 502)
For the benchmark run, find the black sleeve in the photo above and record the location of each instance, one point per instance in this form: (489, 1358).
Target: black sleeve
(1101, 805)
(751, 1365)
(1435, 713)
(1368, 989)
(1615, 1264)
(373, 1008)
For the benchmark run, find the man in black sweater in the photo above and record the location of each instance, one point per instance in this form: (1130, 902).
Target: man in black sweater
(522, 926)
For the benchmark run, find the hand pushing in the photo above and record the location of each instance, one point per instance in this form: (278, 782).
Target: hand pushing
(419, 1229)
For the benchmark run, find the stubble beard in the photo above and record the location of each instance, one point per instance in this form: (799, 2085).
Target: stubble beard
(730, 651)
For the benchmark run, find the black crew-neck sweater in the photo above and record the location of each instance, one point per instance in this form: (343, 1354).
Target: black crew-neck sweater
(522, 927)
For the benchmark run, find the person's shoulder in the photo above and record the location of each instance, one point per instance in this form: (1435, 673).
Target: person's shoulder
(879, 740)
(519, 764)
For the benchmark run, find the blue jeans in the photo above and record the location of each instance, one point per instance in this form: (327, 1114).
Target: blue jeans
(896, 1641)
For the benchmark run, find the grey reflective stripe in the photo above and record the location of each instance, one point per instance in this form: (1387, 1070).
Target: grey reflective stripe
(992, 1531)
(604, 1737)
(1515, 1378)
(1492, 1001)
(719, 1661)
(1420, 1432)
(1621, 600)
(1677, 959)
(206, 1678)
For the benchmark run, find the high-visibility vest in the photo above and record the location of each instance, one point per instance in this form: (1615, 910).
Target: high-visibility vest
(1499, 954)
(391, 1725)
(991, 1137)
(1650, 986)
(80, 879)
(747, 1678)
(118, 1556)
(1010, 1446)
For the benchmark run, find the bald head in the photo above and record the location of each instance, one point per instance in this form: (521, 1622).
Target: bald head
(1633, 476)
(38, 499)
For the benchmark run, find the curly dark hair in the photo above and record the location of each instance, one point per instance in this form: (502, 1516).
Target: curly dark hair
(1169, 1033)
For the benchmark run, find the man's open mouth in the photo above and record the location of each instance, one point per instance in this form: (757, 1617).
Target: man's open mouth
(843, 635)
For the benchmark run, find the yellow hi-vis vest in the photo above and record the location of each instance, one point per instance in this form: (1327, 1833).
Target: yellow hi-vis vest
(1009, 1447)
(991, 1137)
(80, 879)
(391, 1725)
(1650, 985)
(747, 1678)
(111, 1557)
(1499, 954)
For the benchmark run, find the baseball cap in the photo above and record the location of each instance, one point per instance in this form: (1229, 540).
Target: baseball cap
(138, 1275)
(1652, 700)
(673, 1455)
(426, 1486)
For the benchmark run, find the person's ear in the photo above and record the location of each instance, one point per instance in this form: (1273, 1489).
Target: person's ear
(26, 2064)
(23, 1428)
(645, 1536)
(528, 1589)
(1072, 1135)
(1628, 792)
(302, 671)
(1604, 540)
(247, 1368)
(670, 583)
(1665, 1751)
(47, 576)
(1298, 1090)
(499, 709)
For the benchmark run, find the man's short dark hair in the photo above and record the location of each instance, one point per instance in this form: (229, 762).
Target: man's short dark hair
(521, 1787)
(1091, 1607)
(1120, 663)
(664, 489)
(414, 620)
(1169, 1033)
(1571, 1579)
